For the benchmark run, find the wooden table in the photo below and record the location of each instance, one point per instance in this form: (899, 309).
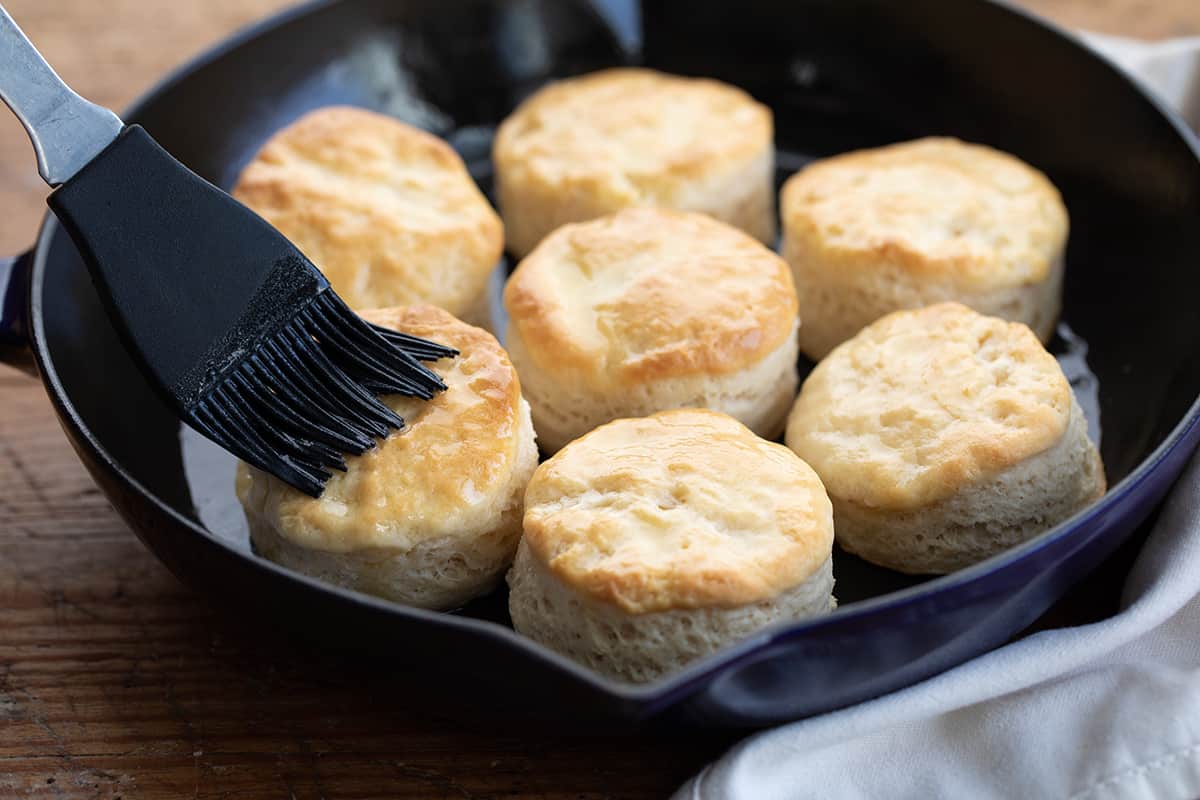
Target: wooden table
(116, 682)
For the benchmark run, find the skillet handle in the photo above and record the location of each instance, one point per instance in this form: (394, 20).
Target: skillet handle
(14, 313)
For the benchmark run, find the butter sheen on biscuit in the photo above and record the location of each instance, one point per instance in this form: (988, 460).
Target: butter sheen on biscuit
(431, 516)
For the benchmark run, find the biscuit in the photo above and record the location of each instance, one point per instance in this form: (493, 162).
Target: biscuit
(431, 516)
(944, 437)
(585, 147)
(905, 226)
(651, 542)
(650, 309)
(387, 212)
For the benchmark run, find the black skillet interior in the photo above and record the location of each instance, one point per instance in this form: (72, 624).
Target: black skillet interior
(839, 74)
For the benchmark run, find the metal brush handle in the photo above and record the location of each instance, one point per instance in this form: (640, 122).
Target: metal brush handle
(67, 131)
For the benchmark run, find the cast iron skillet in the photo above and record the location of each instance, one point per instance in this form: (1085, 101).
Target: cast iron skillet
(839, 74)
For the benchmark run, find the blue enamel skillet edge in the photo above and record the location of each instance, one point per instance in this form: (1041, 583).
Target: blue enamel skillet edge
(839, 75)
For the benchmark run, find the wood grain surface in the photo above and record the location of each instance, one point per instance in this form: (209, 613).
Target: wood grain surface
(116, 682)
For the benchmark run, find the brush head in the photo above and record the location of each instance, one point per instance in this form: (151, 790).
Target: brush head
(306, 394)
(230, 322)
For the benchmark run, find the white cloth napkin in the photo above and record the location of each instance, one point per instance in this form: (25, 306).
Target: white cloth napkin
(1104, 711)
(1169, 69)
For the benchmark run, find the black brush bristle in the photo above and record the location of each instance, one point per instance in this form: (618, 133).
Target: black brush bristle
(297, 402)
(364, 354)
(335, 435)
(418, 348)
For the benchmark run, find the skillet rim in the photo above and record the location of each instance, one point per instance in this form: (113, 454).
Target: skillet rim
(663, 692)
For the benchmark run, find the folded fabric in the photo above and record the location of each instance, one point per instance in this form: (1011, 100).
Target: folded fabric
(1102, 711)
(1170, 69)
(1109, 710)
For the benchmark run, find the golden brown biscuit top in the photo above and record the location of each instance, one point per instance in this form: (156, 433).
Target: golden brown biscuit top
(386, 211)
(936, 207)
(626, 133)
(922, 403)
(650, 293)
(439, 476)
(682, 509)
